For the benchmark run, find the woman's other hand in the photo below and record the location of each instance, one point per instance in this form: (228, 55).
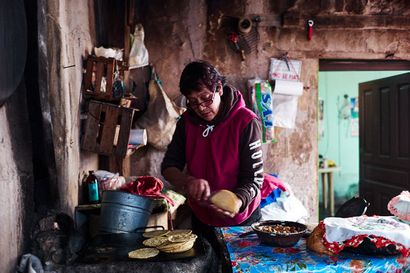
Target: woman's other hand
(225, 203)
(198, 189)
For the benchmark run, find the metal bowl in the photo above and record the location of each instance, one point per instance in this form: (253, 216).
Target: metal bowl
(278, 238)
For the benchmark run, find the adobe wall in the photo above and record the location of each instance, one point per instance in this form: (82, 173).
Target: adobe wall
(16, 179)
(62, 41)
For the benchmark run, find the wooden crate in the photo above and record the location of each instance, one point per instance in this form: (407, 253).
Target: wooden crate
(107, 129)
(98, 68)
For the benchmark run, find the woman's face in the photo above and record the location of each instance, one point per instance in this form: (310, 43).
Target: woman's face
(205, 103)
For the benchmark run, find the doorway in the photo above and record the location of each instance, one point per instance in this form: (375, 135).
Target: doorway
(338, 125)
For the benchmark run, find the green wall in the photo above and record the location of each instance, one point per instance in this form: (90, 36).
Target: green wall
(337, 142)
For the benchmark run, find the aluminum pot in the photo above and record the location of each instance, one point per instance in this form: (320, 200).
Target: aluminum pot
(123, 212)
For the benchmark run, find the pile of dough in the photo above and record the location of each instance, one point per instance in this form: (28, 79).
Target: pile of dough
(226, 200)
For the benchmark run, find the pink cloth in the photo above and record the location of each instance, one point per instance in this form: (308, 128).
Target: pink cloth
(399, 206)
(270, 183)
(148, 186)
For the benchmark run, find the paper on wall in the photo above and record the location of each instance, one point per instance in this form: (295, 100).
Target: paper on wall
(288, 88)
(285, 102)
(284, 69)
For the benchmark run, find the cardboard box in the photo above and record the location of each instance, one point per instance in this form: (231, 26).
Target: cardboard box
(158, 219)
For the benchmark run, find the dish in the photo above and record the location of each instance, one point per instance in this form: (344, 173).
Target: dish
(279, 233)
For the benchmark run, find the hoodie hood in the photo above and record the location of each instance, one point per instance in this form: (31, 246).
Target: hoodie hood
(231, 101)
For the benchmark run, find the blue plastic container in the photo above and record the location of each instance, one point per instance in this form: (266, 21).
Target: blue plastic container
(123, 212)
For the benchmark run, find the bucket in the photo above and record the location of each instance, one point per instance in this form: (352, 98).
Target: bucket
(123, 212)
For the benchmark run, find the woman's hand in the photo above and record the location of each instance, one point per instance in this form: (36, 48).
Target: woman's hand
(198, 189)
(225, 213)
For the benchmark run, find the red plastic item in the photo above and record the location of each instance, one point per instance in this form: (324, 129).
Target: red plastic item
(146, 186)
(310, 29)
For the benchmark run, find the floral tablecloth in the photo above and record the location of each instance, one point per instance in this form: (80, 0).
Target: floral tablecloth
(247, 254)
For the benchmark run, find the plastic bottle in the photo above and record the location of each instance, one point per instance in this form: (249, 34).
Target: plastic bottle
(92, 185)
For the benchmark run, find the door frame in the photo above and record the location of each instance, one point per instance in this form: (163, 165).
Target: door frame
(327, 65)
(362, 65)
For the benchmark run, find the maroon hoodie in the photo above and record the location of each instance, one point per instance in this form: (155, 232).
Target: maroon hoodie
(226, 152)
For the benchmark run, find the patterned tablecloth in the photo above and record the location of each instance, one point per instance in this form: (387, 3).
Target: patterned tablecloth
(249, 255)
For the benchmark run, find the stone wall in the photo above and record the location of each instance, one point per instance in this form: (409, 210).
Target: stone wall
(16, 179)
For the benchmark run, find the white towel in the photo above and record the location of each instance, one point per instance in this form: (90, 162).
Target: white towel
(341, 229)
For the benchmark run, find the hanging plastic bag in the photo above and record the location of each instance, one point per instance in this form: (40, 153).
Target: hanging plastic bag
(161, 115)
(139, 53)
(260, 93)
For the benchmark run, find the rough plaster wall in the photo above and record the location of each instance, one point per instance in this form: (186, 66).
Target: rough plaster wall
(294, 157)
(16, 180)
(174, 32)
(340, 41)
(69, 39)
(294, 163)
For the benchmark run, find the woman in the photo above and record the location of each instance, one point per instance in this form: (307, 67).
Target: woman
(216, 145)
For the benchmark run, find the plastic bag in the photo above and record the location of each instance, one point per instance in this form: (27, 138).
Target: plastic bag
(287, 207)
(261, 99)
(139, 53)
(115, 53)
(108, 180)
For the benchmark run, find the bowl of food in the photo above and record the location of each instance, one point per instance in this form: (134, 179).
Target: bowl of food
(279, 233)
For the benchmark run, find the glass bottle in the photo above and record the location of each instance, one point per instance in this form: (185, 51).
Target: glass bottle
(92, 185)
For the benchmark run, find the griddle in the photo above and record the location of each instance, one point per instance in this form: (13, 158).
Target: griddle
(114, 247)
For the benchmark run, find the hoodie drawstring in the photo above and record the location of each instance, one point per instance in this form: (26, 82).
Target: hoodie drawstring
(208, 129)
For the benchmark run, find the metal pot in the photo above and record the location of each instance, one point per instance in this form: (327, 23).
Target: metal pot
(356, 206)
(123, 212)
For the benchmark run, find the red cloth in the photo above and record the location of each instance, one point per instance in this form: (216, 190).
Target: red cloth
(148, 186)
(271, 183)
(355, 241)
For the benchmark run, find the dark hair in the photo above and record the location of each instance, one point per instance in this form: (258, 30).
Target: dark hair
(199, 74)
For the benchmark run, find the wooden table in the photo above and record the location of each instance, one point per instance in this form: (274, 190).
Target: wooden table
(327, 188)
